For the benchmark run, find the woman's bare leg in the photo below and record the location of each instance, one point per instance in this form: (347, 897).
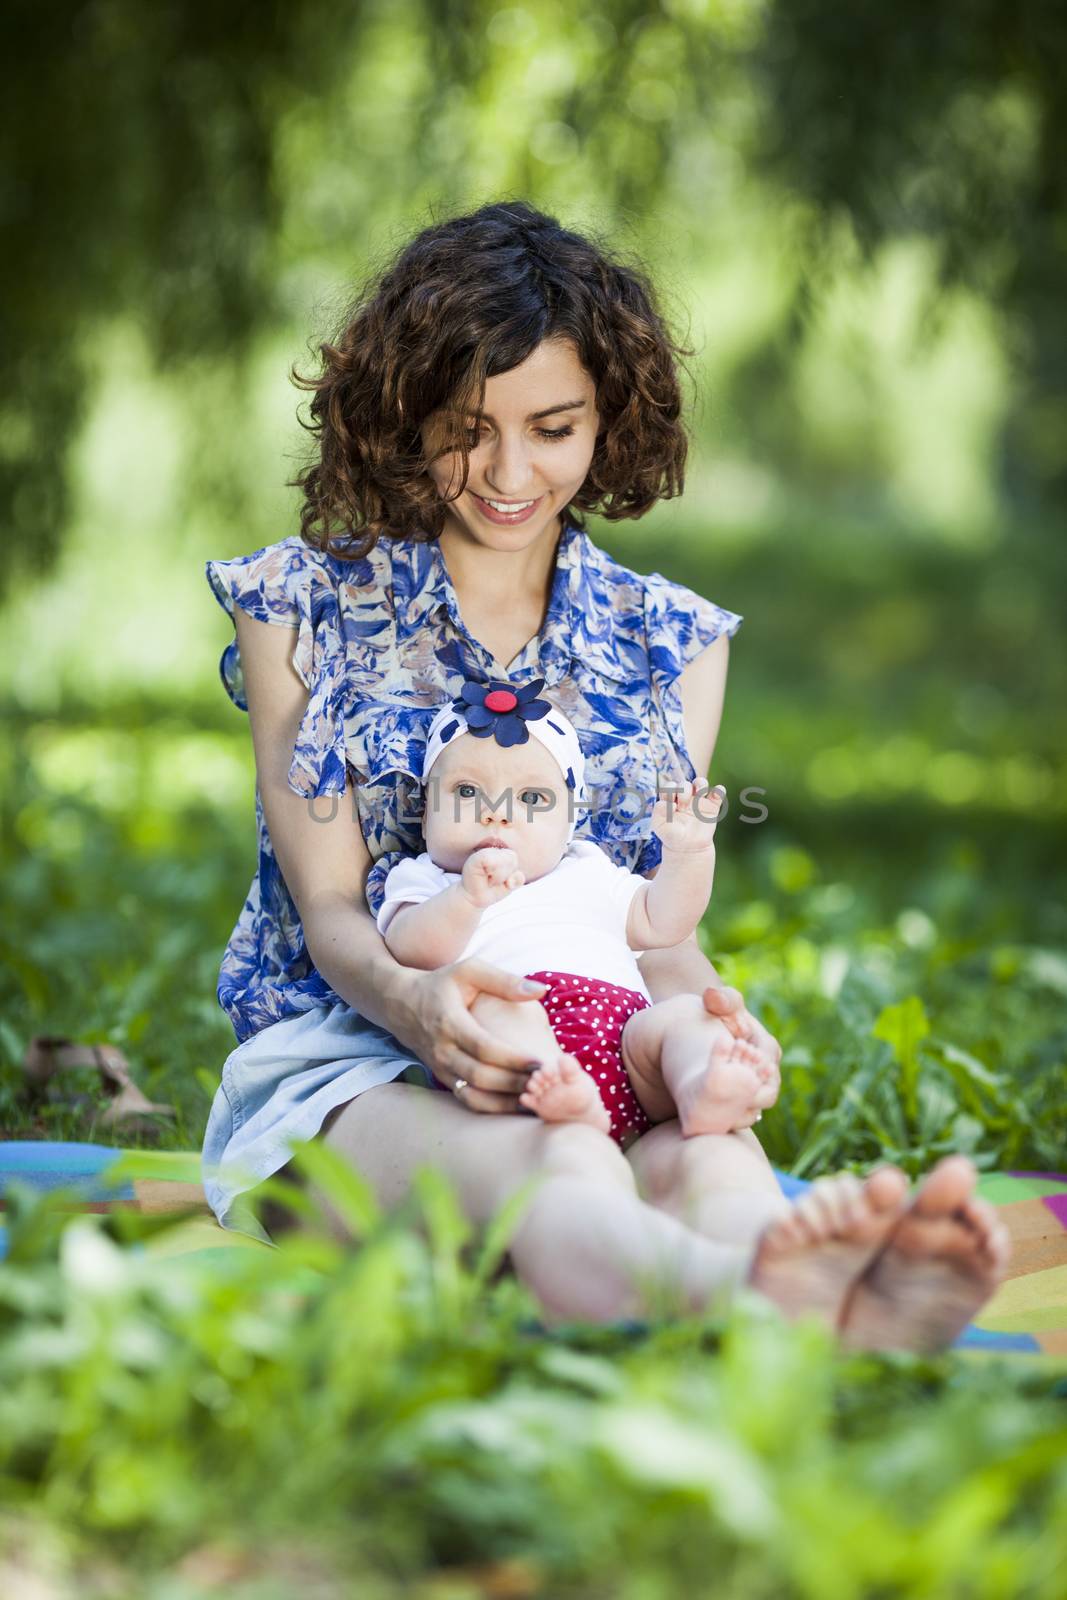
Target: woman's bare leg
(719, 1184)
(586, 1245)
(590, 1249)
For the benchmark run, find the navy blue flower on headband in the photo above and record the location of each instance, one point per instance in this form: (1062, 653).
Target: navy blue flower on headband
(501, 709)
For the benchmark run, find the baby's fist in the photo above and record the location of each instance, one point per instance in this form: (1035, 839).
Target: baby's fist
(490, 874)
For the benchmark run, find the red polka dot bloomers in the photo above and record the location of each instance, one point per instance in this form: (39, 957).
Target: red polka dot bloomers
(587, 1017)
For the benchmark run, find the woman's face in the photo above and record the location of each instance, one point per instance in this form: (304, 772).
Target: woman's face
(533, 443)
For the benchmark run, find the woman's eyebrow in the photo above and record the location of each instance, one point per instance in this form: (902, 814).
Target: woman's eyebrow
(535, 416)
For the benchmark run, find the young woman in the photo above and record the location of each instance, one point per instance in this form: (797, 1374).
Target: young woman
(500, 379)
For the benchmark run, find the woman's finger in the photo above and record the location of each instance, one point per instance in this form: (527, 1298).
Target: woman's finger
(471, 978)
(721, 999)
(485, 1049)
(726, 1004)
(475, 1099)
(482, 1048)
(480, 976)
(764, 1041)
(497, 1080)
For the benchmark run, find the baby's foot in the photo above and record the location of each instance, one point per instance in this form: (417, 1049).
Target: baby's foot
(561, 1091)
(808, 1260)
(942, 1260)
(719, 1098)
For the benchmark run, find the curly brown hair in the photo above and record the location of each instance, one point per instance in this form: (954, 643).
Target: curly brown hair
(466, 299)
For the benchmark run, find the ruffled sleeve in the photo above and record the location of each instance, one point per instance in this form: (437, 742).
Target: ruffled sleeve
(679, 625)
(291, 585)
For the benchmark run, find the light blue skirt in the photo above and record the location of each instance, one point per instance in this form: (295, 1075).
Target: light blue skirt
(280, 1085)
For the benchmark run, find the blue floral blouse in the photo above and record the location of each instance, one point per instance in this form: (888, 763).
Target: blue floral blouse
(380, 644)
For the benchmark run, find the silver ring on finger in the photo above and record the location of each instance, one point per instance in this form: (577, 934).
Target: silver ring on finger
(460, 1083)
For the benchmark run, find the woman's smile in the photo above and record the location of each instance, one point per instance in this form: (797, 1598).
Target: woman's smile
(494, 510)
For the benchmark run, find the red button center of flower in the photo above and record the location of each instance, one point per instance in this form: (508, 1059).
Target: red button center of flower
(500, 700)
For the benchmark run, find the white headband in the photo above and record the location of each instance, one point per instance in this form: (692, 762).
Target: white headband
(509, 714)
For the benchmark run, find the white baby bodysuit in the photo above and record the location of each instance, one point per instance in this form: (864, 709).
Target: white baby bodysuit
(573, 919)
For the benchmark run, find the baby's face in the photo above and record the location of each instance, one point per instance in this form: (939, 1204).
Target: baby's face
(480, 793)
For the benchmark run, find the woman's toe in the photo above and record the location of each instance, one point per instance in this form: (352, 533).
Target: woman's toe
(981, 1215)
(836, 1197)
(885, 1188)
(947, 1187)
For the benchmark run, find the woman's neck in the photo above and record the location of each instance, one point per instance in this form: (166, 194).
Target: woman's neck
(494, 580)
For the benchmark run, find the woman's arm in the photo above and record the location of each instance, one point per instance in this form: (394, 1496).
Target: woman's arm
(684, 968)
(325, 864)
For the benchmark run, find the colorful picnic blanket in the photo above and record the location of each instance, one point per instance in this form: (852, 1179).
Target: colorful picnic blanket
(1028, 1313)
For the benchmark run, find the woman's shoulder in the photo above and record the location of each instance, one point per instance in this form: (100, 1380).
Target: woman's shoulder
(671, 621)
(335, 606)
(274, 582)
(644, 590)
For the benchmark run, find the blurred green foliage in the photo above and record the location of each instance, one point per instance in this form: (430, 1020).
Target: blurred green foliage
(210, 174)
(382, 1421)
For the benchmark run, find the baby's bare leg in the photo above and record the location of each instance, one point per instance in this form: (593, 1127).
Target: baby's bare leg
(683, 1062)
(558, 1089)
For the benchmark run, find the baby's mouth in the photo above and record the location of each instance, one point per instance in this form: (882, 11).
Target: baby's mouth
(490, 844)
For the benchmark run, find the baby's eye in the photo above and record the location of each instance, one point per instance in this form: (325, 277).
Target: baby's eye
(533, 797)
(466, 791)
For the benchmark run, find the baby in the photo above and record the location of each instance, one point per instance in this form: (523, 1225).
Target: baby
(502, 877)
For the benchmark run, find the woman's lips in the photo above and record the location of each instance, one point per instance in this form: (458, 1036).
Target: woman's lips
(503, 518)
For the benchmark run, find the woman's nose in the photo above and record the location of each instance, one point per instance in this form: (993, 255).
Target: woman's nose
(507, 471)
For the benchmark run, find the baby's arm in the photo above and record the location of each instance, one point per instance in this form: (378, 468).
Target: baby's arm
(667, 910)
(435, 931)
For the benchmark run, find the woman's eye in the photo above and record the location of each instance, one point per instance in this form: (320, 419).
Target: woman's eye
(474, 434)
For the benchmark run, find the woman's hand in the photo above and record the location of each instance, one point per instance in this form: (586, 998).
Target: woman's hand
(728, 1005)
(437, 1027)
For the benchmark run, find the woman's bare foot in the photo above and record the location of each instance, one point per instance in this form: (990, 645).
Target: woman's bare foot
(718, 1098)
(808, 1260)
(562, 1091)
(941, 1261)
